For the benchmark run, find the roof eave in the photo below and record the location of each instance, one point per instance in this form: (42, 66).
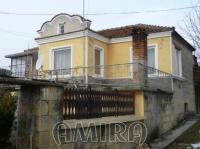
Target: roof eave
(21, 54)
(174, 33)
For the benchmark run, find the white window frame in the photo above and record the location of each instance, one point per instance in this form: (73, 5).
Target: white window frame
(101, 61)
(131, 61)
(59, 29)
(51, 57)
(156, 58)
(179, 72)
(20, 69)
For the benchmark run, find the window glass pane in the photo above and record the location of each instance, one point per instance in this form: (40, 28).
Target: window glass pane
(14, 61)
(23, 65)
(151, 57)
(98, 60)
(97, 57)
(13, 66)
(151, 60)
(178, 61)
(62, 60)
(61, 28)
(18, 67)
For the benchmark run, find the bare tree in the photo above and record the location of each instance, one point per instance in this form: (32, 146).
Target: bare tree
(191, 28)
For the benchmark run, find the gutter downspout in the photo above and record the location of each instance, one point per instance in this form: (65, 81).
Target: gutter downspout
(86, 57)
(85, 48)
(171, 59)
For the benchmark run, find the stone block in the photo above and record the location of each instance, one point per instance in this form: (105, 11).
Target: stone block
(44, 108)
(55, 108)
(51, 93)
(67, 146)
(41, 108)
(41, 123)
(113, 146)
(43, 140)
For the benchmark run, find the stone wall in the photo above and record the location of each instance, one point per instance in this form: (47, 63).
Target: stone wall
(107, 134)
(39, 111)
(164, 110)
(163, 83)
(187, 86)
(159, 113)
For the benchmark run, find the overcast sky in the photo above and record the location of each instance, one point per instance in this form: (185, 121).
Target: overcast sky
(18, 32)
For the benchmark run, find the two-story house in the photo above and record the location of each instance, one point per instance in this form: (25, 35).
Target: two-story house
(153, 62)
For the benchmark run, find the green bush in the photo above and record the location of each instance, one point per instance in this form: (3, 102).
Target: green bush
(7, 110)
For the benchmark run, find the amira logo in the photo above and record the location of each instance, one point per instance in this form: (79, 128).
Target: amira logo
(135, 132)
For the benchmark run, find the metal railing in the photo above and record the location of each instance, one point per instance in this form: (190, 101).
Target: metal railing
(153, 72)
(115, 71)
(23, 71)
(127, 74)
(125, 70)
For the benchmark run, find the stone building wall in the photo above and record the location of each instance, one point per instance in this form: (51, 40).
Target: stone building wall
(163, 110)
(41, 110)
(159, 113)
(187, 86)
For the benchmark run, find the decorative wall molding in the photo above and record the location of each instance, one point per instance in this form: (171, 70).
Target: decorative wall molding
(95, 35)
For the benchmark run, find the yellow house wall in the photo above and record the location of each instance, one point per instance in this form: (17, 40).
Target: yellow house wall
(139, 103)
(92, 42)
(163, 53)
(119, 53)
(116, 53)
(76, 49)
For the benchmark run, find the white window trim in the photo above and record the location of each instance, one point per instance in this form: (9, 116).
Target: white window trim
(101, 59)
(181, 66)
(131, 62)
(58, 27)
(171, 54)
(51, 58)
(180, 62)
(156, 58)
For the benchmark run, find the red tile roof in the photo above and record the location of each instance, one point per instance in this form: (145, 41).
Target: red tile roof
(126, 30)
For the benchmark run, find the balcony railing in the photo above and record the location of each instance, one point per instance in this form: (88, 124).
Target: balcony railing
(118, 75)
(115, 71)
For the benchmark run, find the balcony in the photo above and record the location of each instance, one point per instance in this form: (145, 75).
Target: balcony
(127, 75)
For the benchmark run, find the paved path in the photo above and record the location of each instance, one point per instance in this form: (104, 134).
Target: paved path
(172, 135)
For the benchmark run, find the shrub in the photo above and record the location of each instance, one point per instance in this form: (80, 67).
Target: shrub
(7, 110)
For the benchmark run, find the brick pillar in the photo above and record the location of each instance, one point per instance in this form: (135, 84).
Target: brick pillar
(40, 109)
(139, 44)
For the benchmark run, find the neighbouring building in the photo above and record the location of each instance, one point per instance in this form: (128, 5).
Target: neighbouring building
(23, 63)
(153, 62)
(196, 70)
